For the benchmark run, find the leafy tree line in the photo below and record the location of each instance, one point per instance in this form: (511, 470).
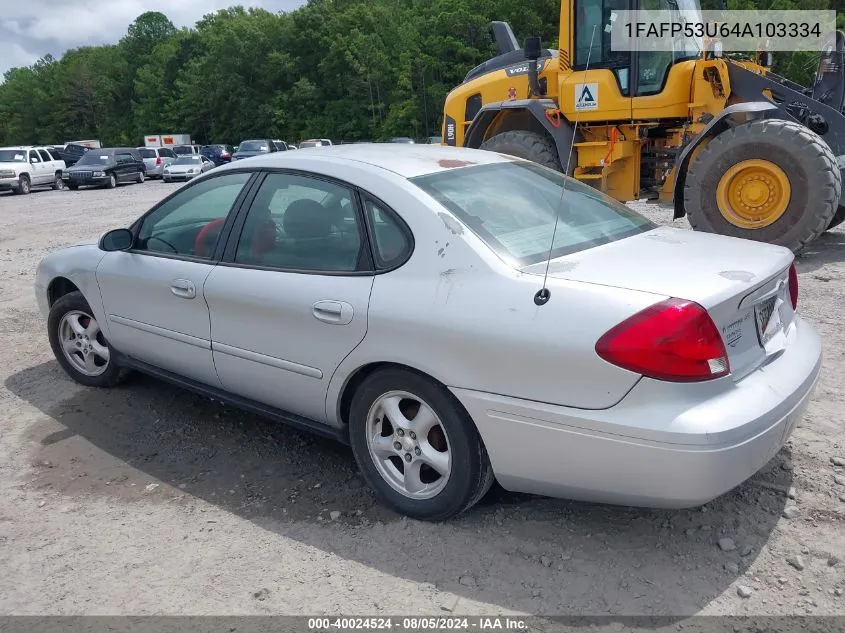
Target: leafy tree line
(343, 69)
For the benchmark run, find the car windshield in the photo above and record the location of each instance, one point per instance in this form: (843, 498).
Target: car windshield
(12, 156)
(183, 150)
(148, 153)
(187, 160)
(512, 207)
(93, 157)
(253, 146)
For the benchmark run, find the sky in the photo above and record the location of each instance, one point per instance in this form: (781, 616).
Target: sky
(29, 29)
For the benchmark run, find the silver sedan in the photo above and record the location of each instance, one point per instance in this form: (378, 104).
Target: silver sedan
(457, 316)
(186, 168)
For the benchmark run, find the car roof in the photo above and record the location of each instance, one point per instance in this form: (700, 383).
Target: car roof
(408, 160)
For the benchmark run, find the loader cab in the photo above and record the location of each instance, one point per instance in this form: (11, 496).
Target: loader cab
(585, 25)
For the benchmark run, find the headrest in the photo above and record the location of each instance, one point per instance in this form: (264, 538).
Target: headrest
(307, 219)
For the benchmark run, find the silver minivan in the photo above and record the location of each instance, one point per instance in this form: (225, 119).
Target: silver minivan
(156, 159)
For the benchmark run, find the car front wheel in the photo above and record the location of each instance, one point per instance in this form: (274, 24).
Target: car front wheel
(24, 187)
(416, 446)
(112, 183)
(79, 344)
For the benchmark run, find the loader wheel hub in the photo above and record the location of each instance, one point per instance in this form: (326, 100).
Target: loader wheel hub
(753, 194)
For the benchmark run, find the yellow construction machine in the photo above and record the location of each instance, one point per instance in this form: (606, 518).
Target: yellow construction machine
(730, 145)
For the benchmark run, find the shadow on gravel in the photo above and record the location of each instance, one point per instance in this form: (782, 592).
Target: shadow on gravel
(828, 248)
(150, 441)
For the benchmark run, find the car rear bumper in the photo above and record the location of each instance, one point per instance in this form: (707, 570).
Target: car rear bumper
(663, 445)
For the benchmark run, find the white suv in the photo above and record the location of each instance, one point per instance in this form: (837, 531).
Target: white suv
(22, 168)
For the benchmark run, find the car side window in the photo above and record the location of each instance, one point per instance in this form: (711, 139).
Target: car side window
(55, 154)
(167, 153)
(123, 159)
(301, 223)
(33, 156)
(390, 239)
(44, 156)
(190, 223)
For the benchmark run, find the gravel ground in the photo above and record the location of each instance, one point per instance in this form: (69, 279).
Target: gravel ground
(149, 500)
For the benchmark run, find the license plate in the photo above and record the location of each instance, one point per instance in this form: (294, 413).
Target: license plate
(763, 312)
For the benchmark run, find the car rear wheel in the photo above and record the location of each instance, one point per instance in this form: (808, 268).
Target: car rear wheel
(24, 187)
(112, 182)
(140, 177)
(416, 446)
(79, 344)
(57, 181)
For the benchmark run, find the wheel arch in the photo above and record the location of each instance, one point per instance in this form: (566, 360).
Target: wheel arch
(733, 115)
(356, 378)
(58, 288)
(520, 114)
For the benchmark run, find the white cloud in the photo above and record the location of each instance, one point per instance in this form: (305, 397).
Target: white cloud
(30, 29)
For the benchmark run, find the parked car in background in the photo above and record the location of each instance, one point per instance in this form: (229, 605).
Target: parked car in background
(72, 152)
(254, 147)
(220, 154)
(314, 142)
(625, 380)
(106, 167)
(281, 146)
(156, 159)
(291, 146)
(434, 140)
(187, 167)
(25, 167)
(402, 139)
(187, 150)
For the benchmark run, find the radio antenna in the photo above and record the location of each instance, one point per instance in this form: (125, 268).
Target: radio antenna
(544, 294)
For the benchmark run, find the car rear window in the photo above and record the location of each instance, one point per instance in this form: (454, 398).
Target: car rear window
(148, 153)
(513, 208)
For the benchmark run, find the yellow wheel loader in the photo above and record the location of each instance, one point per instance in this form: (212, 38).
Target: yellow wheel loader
(730, 145)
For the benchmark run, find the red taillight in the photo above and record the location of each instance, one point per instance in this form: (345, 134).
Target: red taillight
(793, 286)
(224, 154)
(158, 160)
(672, 340)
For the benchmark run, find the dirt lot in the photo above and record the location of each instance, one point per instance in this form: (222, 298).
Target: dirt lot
(149, 500)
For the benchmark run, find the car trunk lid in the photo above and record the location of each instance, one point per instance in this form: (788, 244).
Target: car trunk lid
(743, 285)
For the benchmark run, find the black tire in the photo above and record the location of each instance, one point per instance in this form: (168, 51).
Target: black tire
(838, 218)
(808, 162)
(73, 187)
(532, 146)
(113, 374)
(24, 186)
(58, 184)
(112, 183)
(471, 475)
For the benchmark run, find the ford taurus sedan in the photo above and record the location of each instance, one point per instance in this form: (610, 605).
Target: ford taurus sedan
(456, 316)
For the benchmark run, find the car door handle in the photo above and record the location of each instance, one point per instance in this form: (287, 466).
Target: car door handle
(335, 312)
(183, 288)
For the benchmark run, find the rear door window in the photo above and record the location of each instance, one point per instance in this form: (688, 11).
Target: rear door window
(45, 156)
(516, 207)
(148, 153)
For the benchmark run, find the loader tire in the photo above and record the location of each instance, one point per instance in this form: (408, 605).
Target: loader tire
(838, 218)
(528, 145)
(781, 156)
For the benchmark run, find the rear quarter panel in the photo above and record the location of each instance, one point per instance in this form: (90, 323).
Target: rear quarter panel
(463, 316)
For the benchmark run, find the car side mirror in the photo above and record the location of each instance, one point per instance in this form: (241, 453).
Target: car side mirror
(117, 240)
